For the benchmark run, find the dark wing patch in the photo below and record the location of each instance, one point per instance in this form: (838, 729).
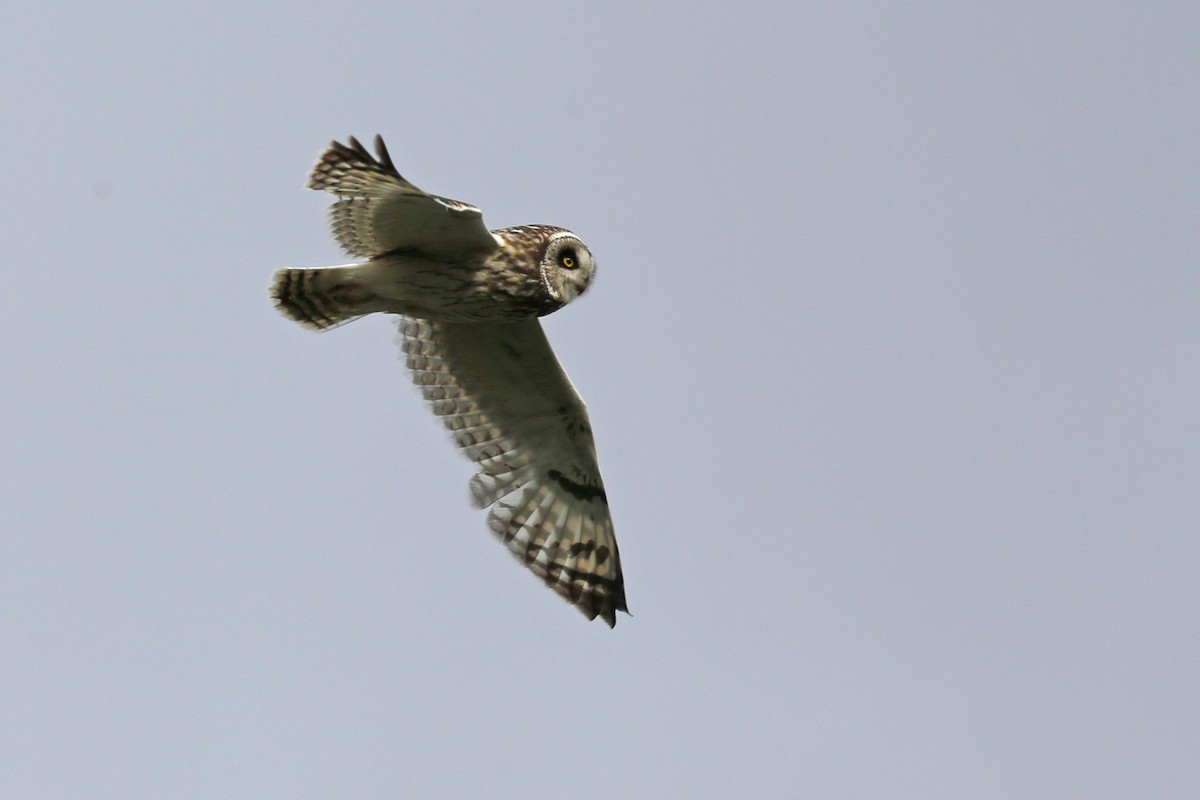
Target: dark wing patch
(580, 491)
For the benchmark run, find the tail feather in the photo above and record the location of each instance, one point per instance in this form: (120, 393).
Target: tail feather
(319, 298)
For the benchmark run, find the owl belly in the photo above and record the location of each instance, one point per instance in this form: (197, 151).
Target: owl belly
(484, 291)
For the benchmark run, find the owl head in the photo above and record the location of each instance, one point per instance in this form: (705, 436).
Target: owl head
(566, 266)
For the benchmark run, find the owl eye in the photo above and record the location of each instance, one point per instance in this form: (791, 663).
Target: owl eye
(567, 259)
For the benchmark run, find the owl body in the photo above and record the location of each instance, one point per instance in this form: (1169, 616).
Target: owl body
(511, 282)
(470, 299)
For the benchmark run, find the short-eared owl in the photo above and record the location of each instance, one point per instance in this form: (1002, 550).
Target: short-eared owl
(469, 300)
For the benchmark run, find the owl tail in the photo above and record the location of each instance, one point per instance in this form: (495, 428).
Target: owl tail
(321, 298)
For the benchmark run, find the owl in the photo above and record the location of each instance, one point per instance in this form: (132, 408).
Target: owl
(469, 299)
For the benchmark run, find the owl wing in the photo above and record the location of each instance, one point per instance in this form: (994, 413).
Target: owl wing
(378, 212)
(513, 411)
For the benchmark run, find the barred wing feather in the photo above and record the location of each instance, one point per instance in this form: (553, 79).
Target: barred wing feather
(379, 212)
(508, 404)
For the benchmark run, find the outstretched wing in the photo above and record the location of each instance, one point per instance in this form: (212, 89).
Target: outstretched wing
(378, 212)
(513, 411)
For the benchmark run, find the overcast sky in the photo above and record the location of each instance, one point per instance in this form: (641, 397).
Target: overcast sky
(893, 361)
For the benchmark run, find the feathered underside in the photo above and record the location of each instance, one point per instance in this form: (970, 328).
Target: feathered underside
(500, 391)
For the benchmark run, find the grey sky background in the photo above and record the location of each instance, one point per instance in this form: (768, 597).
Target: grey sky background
(892, 361)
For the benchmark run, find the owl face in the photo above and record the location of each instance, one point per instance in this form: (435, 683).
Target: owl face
(567, 266)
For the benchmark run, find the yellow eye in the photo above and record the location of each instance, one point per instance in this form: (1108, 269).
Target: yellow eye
(568, 262)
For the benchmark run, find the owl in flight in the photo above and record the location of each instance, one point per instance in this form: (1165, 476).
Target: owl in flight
(469, 300)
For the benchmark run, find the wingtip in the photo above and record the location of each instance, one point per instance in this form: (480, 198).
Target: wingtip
(338, 157)
(359, 150)
(609, 615)
(381, 150)
(606, 608)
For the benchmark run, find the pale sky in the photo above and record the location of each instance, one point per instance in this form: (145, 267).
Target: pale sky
(893, 362)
